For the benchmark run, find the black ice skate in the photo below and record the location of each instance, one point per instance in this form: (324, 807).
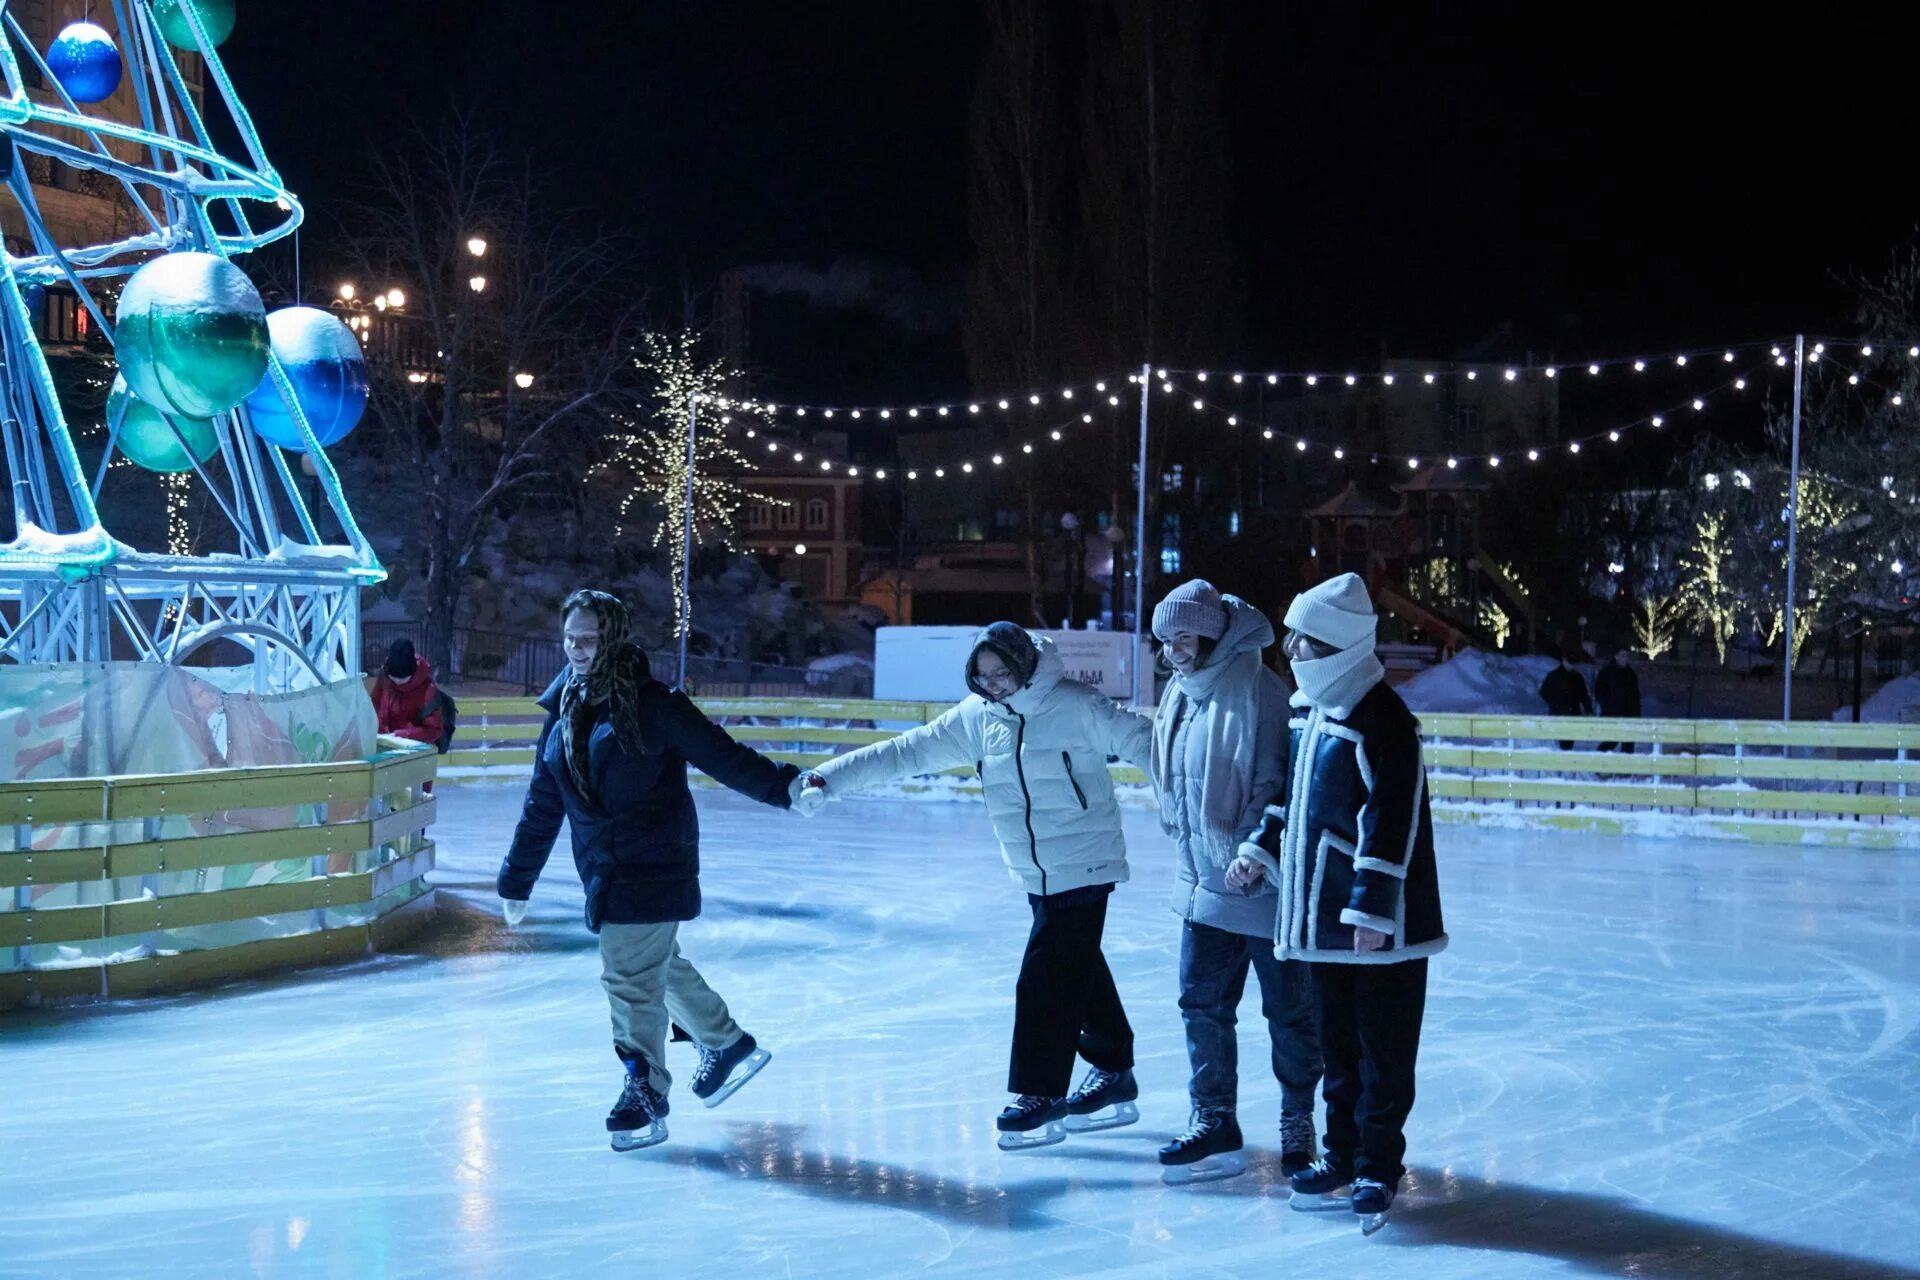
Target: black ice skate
(1297, 1141)
(1208, 1151)
(1322, 1185)
(1104, 1100)
(1371, 1202)
(1032, 1121)
(639, 1119)
(722, 1071)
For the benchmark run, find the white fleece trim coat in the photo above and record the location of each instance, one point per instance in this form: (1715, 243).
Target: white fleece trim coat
(1042, 761)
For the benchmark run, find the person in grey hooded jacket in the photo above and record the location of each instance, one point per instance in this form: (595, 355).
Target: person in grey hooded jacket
(1039, 742)
(1220, 754)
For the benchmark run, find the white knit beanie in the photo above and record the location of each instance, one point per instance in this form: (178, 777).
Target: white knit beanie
(1337, 612)
(1192, 606)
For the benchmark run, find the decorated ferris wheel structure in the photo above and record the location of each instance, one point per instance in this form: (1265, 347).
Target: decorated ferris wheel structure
(212, 390)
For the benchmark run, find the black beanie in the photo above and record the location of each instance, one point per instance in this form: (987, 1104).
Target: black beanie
(1012, 645)
(401, 661)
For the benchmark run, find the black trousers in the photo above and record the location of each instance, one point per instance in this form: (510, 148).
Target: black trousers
(1369, 1018)
(1065, 1001)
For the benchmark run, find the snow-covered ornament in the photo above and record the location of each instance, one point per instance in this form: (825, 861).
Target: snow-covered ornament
(86, 62)
(147, 441)
(191, 335)
(328, 371)
(216, 17)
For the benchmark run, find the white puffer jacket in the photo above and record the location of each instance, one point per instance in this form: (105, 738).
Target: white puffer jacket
(1042, 761)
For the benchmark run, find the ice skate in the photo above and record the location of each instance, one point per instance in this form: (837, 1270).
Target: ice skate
(722, 1071)
(1032, 1121)
(1321, 1186)
(1372, 1200)
(1104, 1100)
(1207, 1152)
(639, 1119)
(1297, 1141)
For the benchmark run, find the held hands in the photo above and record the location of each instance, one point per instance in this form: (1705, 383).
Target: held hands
(1365, 939)
(1243, 873)
(513, 911)
(808, 792)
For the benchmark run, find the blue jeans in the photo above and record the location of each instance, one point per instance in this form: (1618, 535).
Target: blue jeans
(1213, 976)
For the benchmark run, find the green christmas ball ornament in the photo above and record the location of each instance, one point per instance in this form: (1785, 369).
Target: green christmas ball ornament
(147, 441)
(191, 335)
(216, 16)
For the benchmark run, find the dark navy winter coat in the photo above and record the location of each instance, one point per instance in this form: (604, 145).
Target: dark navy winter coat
(1351, 843)
(636, 842)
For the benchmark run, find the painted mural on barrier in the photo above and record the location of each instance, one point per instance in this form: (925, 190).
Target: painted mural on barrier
(127, 719)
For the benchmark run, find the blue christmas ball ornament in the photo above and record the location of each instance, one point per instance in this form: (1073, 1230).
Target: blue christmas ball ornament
(191, 335)
(86, 62)
(328, 371)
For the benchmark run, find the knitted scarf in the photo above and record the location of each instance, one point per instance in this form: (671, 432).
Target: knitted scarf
(1225, 694)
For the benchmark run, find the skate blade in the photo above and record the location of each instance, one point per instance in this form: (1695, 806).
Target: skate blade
(635, 1139)
(1113, 1117)
(747, 1070)
(1045, 1136)
(1331, 1201)
(1228, 1164)
(1372, 1222)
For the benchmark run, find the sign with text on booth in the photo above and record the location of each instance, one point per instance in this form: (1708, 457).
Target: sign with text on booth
(928, 664)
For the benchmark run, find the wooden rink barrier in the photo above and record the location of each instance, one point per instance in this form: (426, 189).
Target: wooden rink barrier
(1760, 780)
(122, 885)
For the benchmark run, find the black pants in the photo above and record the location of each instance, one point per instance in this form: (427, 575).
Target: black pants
(1065, 1001)
(1370, 1034)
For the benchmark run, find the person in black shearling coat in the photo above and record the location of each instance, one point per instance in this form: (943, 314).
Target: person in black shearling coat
(1350, 848)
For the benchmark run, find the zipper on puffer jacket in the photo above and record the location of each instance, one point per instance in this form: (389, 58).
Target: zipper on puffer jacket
(1066, 758)
(1026, 796)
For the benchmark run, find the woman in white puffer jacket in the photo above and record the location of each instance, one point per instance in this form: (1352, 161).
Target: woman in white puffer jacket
(1040, 743)
(1220, 748)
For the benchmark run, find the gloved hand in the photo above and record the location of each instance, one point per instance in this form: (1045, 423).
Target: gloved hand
(808, 793)
(513, 910)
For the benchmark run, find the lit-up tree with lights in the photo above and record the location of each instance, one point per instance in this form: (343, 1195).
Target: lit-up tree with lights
(684, 392)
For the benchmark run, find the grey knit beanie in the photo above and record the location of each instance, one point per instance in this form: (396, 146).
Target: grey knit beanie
(1192, 606)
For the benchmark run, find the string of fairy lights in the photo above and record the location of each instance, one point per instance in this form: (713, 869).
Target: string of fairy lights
(1210, 394)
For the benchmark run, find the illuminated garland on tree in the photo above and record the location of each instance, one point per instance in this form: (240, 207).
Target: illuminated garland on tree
(650, 449)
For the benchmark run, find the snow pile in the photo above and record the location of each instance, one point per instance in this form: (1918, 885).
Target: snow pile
(1898, 702)
(1480, 683)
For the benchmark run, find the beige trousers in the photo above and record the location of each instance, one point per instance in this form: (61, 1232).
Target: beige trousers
(648, 981)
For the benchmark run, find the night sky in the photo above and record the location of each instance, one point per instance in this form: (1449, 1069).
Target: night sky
(1605, 181)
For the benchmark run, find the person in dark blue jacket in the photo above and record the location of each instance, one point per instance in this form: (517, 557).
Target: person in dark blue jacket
(612, 762)
(1350, 849)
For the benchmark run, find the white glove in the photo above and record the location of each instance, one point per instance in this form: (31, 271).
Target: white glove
(513, 910)
(809, 794)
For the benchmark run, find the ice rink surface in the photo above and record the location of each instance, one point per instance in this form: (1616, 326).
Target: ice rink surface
(1642, 1058)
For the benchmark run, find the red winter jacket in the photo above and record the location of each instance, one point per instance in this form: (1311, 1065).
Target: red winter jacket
(403, 706)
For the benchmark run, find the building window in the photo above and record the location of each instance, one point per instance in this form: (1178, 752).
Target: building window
(816, 513)
(787, 516)
(1170, 543)
(759, 516)
(1467, 426)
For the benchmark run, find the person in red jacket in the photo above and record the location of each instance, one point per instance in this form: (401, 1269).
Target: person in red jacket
(405, 697)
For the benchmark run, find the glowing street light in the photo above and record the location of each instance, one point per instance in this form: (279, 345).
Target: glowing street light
(346, 293)
(477, 247)
(478, 284)
(800, 549)
(396, 298)
(523, 380)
